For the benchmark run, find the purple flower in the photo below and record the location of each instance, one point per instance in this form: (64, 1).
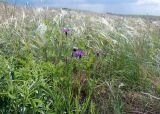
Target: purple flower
(66, 30)
(77, 53)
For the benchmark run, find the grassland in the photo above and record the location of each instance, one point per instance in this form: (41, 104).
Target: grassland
(119, 73)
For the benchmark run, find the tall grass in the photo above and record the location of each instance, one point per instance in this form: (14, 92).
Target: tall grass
(38, 75)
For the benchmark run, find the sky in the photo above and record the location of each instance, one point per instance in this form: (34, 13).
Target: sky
(138, 7)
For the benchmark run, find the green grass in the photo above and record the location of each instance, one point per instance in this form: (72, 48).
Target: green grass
(38, 75)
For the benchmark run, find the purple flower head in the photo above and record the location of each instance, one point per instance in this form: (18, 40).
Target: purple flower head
(77, 53)
(66, 30)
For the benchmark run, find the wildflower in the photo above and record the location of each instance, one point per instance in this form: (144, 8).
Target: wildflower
(77, 53)
(66, 30)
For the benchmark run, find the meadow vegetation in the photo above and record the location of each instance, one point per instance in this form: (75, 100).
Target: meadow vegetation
(119, 72)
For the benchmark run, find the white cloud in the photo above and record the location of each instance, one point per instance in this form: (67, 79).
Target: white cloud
(149, 2)
(92, 7)
(150, 7)
(72, 1)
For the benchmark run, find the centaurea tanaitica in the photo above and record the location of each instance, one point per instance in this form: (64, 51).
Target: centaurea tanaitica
(66, 30)
(77, 53)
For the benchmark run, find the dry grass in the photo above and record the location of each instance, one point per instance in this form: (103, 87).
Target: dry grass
(122, 79)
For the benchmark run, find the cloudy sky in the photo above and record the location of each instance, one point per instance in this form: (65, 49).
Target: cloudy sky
(145, 7)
